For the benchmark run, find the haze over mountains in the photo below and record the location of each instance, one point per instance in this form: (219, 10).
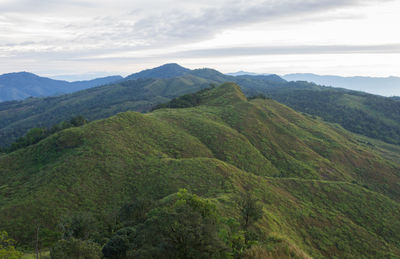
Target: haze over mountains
(386, 86)
(367, 114)
(21, 85)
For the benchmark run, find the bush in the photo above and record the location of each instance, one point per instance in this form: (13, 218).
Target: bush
(7, 249)
(75, 248)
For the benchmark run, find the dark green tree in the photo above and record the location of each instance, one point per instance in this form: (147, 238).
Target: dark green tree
(185, 227)
(118, 246)
(249, 208)
(78, 225)
(135, 212)
(78, 121)
(76, 248)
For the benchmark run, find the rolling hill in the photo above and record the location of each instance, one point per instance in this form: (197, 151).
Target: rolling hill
(17, 117)
(324, 192)
(370, 115)
(21, 85)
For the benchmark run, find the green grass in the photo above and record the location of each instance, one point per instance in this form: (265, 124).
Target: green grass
(325, 192)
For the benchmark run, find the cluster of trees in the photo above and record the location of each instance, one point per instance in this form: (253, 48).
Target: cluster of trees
(257, 96)
(35, 135)
(372, 116)
(182, 225)
(7, 248)
(185, 101)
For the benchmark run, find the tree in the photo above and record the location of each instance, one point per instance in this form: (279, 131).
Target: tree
(134, 212)
(249, 208)
(120, 243)
(78, 121)
(187, 229)
(78, 225)
(184, 227)
(75, 248)
(7, 249)
(250, 211)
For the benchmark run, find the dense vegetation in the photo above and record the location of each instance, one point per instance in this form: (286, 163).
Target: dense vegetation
(35, 135)
(370, 115)
(16, 118)
(366, 114)
(184, 101)
(226, 177)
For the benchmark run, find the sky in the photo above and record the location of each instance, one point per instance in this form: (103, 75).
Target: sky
(82, 39)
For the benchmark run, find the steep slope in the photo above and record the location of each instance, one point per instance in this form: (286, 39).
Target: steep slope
(311, 177)
(18, 86)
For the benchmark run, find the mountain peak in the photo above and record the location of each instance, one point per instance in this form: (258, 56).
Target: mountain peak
(22, 74)
(165, 71)
(225, 94)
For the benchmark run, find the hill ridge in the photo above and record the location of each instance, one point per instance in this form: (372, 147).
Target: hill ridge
(294, 164)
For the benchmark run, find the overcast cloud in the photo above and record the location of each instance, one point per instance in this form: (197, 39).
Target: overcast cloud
(53, 37)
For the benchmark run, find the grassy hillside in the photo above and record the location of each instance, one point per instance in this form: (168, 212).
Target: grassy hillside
(324, 192)
(16, 118)
(370, 115)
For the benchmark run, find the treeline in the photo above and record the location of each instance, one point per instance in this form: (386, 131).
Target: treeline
(35, 135)
(185, 101)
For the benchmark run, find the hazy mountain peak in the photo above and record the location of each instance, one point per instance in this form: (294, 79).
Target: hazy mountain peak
(20, 85)
(242, 73)
(22, 74)
(165, 71)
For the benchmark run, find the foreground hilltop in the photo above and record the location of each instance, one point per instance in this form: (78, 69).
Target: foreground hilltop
(322, 191)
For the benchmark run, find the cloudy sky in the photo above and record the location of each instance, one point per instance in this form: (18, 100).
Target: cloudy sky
(74, 39)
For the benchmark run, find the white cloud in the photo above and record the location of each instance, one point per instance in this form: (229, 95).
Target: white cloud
(40, 36)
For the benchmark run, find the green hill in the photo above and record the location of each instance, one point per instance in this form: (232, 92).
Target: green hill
(16, 118)
(324, 192)
(370, 115)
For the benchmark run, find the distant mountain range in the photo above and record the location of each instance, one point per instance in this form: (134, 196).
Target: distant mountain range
(370, 115)
(386, 86)
(158, 85)
(21, 85)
